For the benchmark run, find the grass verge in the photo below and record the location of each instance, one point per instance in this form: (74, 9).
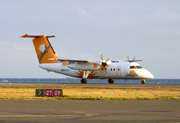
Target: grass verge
(85, 93)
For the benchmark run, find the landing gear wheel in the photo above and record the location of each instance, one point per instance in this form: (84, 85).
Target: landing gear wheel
(143, 81)
(111, 81)
(83, 81)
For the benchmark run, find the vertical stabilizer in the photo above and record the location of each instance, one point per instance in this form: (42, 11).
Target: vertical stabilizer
(43, 48)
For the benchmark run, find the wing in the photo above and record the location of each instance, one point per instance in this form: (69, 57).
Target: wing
(80, 64)
(73, 61)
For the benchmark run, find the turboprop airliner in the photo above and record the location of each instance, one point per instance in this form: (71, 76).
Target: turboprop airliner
(86, 69)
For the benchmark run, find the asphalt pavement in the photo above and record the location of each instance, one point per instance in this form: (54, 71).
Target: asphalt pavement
(42, 111)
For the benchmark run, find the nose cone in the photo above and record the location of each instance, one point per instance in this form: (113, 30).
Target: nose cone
(146, 74)
(150, 75)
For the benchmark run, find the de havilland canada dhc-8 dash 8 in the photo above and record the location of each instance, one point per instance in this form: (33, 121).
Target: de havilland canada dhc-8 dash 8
(86, 69)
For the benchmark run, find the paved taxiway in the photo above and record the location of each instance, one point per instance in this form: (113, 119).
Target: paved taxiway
(38, 111)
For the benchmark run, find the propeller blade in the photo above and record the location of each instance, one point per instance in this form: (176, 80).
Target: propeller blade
(107, 59)
(106, 72)
(101, 56)
(103, 70)
(103, 64)
(100, 68)
(127, 57)
(134, 58)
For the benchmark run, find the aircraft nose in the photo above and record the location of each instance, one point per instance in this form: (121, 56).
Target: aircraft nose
(151, 76)
(148, 75)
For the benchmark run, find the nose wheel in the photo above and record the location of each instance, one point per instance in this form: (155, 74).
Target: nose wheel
(143, 81)
(111, 81)
(83, 81)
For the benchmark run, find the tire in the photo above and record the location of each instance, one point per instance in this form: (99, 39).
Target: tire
(143, 81)
(111, 81)
(83, 81)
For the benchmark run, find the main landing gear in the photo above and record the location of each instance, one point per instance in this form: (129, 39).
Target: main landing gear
(143, 81)
(83, 81)
(85, 76)
(111, 81)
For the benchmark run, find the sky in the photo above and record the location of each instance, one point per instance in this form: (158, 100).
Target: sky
(149, 29)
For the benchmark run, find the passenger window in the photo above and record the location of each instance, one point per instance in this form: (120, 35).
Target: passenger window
(114, 69)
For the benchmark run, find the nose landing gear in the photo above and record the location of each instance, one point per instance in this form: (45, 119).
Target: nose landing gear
(83, 81)
(111, 81)
(143, 81)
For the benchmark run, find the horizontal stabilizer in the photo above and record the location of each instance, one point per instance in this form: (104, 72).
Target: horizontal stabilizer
(36, 36)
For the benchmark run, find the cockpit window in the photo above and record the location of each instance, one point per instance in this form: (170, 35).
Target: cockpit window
(135, 67)
(132, 67)
(139, 67)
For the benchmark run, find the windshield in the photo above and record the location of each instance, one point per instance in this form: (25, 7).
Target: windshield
(135, 67)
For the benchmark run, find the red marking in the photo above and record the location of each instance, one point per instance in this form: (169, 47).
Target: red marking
(52, 92)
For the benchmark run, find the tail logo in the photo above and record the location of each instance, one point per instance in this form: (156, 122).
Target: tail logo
(43, 49)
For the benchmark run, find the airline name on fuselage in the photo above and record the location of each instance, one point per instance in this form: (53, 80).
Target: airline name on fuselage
(131, 75)
(65, 70)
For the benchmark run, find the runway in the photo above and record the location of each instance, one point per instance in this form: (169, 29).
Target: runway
(38, 111)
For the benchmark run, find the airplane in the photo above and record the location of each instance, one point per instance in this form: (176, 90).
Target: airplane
(86, 69)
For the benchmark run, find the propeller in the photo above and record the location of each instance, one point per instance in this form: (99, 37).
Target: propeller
(103, 64)
(133, 60)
